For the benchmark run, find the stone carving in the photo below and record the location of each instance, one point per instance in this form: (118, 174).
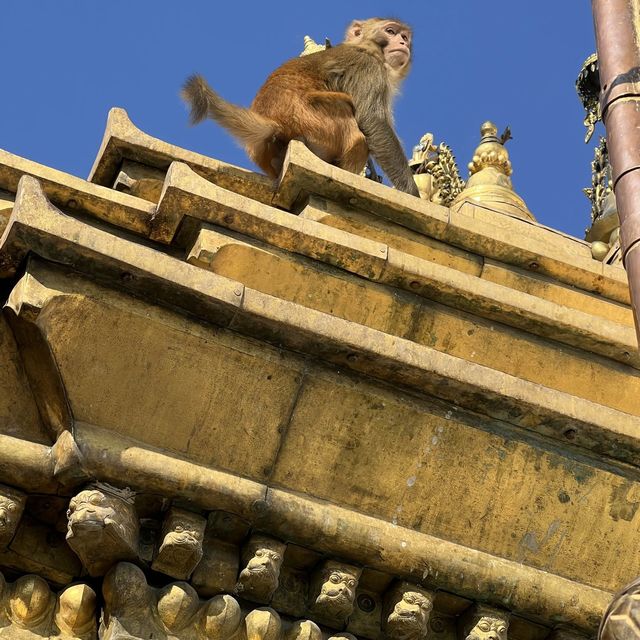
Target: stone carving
(262, 559)
(133, 609)
(407, 610)
(75, 613)
(180, 550)
(31, 610)
(488, 624)
(12, 504)
(303, 630)
(103, 527)
(621, 620)
(333, 592)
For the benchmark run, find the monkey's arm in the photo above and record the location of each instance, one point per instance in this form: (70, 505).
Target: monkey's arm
(367, 84)
(387, 150)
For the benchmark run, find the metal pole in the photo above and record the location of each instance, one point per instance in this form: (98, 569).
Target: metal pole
(617, 27)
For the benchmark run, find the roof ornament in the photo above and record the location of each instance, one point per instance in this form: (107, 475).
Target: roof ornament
(588, 88)
(311, 46)
(490, 173)
(436, 171)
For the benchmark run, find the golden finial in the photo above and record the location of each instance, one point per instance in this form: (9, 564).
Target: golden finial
(491, 151)
(489, 176)
(311, 46)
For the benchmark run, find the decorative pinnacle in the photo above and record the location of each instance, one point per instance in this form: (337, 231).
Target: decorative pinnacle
(491, 151)
(311, 46)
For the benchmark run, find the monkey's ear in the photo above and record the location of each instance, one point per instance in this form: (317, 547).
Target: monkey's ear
(354, 31)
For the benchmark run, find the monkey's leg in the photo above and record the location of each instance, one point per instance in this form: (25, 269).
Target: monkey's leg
(356, 151)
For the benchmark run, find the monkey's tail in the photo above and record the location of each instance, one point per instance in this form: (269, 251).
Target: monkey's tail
(249, 127)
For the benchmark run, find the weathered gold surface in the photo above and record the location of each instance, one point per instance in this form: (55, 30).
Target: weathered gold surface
(473, 226)
(445, 398)
(124, 141)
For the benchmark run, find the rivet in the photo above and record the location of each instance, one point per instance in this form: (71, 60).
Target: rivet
(437, 625)
(570, 434)
(414, 284)
(366, 603)
(534, 266)
(259, 506)
(237, 292)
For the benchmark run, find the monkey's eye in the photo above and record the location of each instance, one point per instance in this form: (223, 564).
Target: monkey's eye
(179, 528)
(259, 553)
(484, 626)
(409, 599)
(95, 499)
(351, 583)
(391, 30)
(275, 557)
(335, 578)
(501, 630)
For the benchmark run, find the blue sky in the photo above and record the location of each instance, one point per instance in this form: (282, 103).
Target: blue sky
(514, 62)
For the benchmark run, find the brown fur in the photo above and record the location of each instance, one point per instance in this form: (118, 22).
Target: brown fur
(338, 102)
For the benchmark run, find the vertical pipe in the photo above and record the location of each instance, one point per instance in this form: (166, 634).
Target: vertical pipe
(617, 27)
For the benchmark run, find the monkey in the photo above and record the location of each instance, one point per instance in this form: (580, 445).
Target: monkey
(337, 102)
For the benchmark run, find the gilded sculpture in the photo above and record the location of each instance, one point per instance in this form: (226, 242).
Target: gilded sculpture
(262, 559)
(436, 171)
(490, 171)
(588, 88)
(180, 550)
(604, 232)
(103, 527)
(408, 607)
(12, 503)
(333, 591)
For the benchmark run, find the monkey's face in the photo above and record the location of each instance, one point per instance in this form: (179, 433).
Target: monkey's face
(397, 50)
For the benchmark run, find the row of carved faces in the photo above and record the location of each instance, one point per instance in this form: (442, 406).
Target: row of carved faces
(103, 529)
(133, 609)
